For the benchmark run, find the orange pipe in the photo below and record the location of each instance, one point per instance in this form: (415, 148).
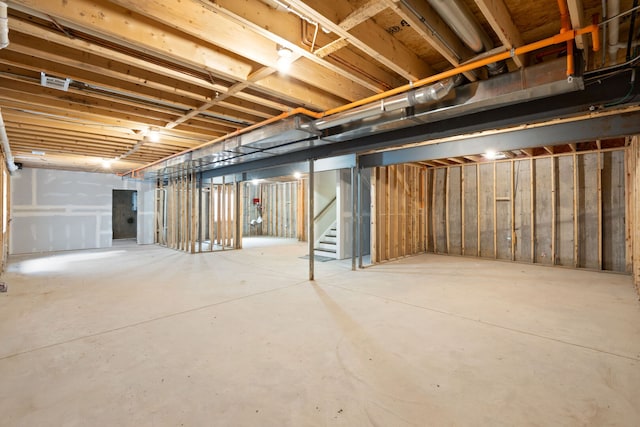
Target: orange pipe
(562, 37)
(299, 110)
(565, 23)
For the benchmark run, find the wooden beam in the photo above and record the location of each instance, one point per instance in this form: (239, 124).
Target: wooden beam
(434, 31)
(459, 160)
(247, 40)
(548, 149)
(573, 147)
(121, 27)
(474, 158)
(363, 13)
(498, 16)
(368, 37)
(576, 13)
(284, 29)
(527, 151)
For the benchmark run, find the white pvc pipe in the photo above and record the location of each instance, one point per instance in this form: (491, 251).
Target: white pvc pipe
(613, 9)
(460, 19)
(5, 146)
(4, 26)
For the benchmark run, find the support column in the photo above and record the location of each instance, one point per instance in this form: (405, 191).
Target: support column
(238, 212)
(354, 222)
(360, 231)
(311, 220)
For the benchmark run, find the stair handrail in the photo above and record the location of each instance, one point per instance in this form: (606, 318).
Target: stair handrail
(325, 209)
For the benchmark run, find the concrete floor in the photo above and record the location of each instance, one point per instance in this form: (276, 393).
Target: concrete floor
(146, 336)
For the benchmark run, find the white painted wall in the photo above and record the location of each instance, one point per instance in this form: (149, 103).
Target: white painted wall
(325, 191)
(53, 210)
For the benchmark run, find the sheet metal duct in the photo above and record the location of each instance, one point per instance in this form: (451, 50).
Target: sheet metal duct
(293, 133)
(539, 81)
(419, 96)
(278, 142)
(4, 26)
(5, 146)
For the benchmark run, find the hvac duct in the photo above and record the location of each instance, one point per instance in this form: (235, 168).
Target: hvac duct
(415, 97)
(5, 146)
(4, 26)
(462, 22)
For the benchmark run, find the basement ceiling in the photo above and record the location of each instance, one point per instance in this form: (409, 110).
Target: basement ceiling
(192, 71)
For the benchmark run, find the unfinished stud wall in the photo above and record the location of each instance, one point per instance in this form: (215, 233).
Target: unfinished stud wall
(195, 216)
(279, 204)
(55, 210)
(633, 209)
(398, 220)
(564, 210)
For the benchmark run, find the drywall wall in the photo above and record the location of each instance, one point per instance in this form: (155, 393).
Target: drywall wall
(55, 210)
(566, 209)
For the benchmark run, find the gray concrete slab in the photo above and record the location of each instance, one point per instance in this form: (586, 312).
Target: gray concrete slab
(147, 336)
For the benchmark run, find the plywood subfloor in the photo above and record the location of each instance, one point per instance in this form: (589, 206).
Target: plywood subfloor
(146, 336)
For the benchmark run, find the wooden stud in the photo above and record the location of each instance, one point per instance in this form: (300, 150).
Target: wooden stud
(495, 213)
(513, 212)
(389, 207)
(532, 199)
(635, 218)
(402, 208)
(426, 210)
(446, 207)
(553, 210)
(434, 225)
(478, 209)
(212, 214)
(599, 209)
(462, 211)
(576, 253)
(630, 201)
(194, 212)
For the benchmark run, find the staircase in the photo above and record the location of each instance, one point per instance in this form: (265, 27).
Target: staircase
(327, 244)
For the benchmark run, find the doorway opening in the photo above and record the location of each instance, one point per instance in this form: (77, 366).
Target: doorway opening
(125, 214)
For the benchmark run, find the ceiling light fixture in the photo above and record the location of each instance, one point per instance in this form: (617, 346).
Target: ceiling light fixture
(494, 155)
(297, 175)
(154, 135)
(37, 153)
(106, 163)
(285, 58)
